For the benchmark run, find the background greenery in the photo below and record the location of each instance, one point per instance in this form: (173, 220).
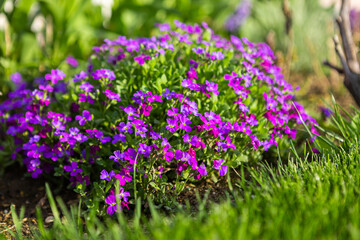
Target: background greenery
(39, 35)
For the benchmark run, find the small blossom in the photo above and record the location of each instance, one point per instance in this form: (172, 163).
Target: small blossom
(103, 73)
(218, 165)
(118, 156)
(55, 76)
(86, 116)
(104, 175)
(73, 169)
(72, 61)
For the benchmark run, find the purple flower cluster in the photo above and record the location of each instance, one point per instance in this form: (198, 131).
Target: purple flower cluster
(355, 20)
(139, 114)
(238, 18)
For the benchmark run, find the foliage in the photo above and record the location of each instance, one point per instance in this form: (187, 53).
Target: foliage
(151, 114)
(311, 28)
(55, 28)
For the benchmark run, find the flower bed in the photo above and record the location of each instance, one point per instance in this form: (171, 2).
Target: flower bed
(151, 114)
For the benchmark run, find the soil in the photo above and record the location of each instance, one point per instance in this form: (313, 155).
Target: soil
(17, 190)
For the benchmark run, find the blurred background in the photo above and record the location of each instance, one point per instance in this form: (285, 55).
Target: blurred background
(36, 36)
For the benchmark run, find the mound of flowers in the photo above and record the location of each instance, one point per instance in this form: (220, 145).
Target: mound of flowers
(150, 114)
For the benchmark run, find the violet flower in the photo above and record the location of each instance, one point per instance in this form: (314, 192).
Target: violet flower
(86, 116)
(81, 76)
(144, 149)
(72, 61)
(55, 76)
(111, 201)
(123, 177)
(87, 87)
(117, 156)
(72, 168)
(103, 73)
(173, 126)
(123, 195)
(107, 176)
(222, 168)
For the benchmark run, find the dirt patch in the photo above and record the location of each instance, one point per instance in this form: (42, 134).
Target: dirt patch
(17, 190)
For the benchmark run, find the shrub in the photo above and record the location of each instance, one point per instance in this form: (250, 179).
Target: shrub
(150, 114)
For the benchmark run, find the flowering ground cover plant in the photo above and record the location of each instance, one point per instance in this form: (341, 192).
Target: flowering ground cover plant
(150, 114)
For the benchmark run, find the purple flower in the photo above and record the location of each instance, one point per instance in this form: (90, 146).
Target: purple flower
(144, 149)
(184, 121)
(197, 142)
(131, 112)
(81, 76)
(192, 74)
(86, 98)
(117, 156)
(58, 125)
(107, 176)
(172, 125)
(165, 144)
(103, 73)
(119, 137)
(212, 87)
(186, 138)
(217, 55)
(72, 61)
(123, 177)
(111, 201)
(141, 59)
(72, 168)
(152, 98)
(245, 129)
(198, 50)
(169, 155)
(186, 157)
(187, 83)
(218, 165)
(326, 112)
(169, 95)
(141, 130)
(173, 112)
(125, 127)
(163, 27)
(201, 169)
(16, 78)
(123, 195)
(100, 135)
(243, 107)
(154, 135)
(138, 97)
(130, 155)
(239, 17)
(87, 87)
(55, 76)
(48, 88)
(251, 120)
(270, 103)
(35, 151)
(86, 116)
(80, 137)
(111, 95)
(178, 154)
